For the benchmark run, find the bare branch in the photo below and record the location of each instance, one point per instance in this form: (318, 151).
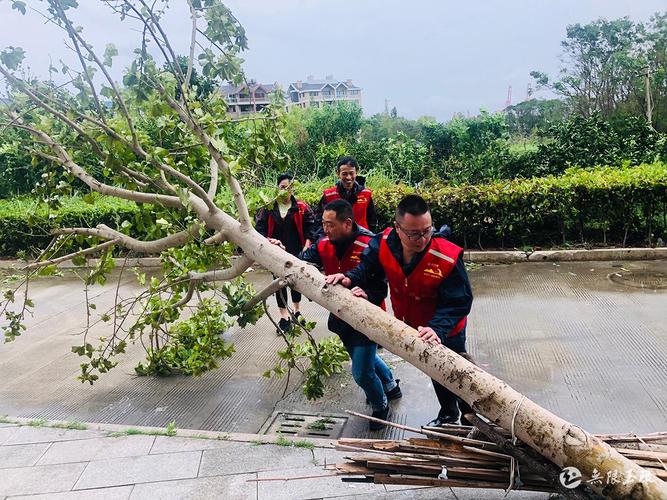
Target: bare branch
(155, 246)
(193, 43)
(165, 40)
(234, 271)
(216, 239)
(188, 296)
(272, 288)
(87, 251)
(213, 187)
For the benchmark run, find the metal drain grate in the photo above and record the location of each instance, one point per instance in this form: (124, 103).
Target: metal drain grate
(640, 279)
(316, 425)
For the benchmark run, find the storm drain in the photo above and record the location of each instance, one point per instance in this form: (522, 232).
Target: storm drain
(316, 425)
(640, 279)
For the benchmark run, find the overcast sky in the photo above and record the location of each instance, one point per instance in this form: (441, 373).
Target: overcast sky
(427, 57)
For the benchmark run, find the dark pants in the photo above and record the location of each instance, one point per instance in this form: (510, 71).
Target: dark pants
(281, 297)
(450, 403)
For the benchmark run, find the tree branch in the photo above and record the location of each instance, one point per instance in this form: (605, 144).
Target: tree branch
(234, 271)
(87, 251)
(235, 187)
(193, 43)
(23, 87)
(272, 288)
(66, 161)
(119, 98)
(155, 246)
(213, 187)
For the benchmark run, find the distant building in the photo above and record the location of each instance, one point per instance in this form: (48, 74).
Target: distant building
(316, 93)
(246, 99)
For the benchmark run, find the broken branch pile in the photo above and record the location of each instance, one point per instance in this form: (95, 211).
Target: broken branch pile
(482, 456)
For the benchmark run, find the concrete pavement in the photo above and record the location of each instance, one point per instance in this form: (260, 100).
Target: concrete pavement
(51, 463)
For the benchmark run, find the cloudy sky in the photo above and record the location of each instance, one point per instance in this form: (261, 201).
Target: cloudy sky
(426, 57)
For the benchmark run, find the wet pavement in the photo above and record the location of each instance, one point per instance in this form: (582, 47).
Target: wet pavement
(586, 340)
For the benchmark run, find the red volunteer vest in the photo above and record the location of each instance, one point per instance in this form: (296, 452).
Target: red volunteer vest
(359, 207)
(298, 221)
(415, 298)
(350, 260)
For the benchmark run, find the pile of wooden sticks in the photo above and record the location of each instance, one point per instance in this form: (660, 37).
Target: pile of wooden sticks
(479, 456)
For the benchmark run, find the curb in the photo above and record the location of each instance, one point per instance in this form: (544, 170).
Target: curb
(596, 254)
(238, 437)
(477, 256)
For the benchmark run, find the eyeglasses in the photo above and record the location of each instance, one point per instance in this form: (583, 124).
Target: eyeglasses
(415, 235)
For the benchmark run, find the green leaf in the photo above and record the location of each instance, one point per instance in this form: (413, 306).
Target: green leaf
(109, 53)
(12, 57)
(19, 5)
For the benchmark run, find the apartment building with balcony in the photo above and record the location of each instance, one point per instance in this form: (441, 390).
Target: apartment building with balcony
(317, 93)
(246, 99)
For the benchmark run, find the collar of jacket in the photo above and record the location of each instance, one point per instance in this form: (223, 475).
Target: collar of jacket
(356, 231)
(356, 189)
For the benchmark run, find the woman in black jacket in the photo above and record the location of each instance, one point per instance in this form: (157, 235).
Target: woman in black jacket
(291, 223)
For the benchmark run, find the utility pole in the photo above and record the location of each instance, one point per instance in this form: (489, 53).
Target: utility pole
(649, 103)
(386, 106)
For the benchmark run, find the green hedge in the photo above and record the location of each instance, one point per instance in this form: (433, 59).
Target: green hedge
(597, 206)
(25, 224)
(612, 206)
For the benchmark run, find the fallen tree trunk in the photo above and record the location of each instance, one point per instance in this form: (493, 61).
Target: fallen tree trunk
(563, 443)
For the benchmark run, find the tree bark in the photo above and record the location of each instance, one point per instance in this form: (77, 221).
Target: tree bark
(558, 440)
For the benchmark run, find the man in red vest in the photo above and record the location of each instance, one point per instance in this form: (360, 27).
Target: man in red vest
(339, 251)
(430, 290)
(352, 189)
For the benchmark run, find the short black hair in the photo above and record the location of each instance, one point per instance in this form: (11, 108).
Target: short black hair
(342, 208)
(347, 161)
(283, 176)
(412, 204)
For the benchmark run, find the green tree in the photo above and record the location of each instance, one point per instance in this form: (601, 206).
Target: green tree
(601, 62)
(528, 117)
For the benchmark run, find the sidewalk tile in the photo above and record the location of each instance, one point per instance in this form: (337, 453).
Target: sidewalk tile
(6, 433)
(405, 494)
(27, 435)
(21, 455)
(234, 487)
(121, 471)
(244, 457)
(479, 494)
(39, 479)
(166, 444)
(118, 493)
(317, 487)
(97, 449)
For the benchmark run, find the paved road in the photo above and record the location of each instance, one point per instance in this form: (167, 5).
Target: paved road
(586, 346)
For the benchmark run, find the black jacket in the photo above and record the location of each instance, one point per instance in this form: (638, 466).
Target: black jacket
(351, 197)
(285, 229)
(454, 294)
(377, 289)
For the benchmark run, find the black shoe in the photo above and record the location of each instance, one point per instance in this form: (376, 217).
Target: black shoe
(392, 395)
(395, 393)
(284, 325)
(381, 414)
(446, 420)
(299, 318)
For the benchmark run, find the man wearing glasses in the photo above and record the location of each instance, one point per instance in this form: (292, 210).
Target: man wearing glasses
(430, 290)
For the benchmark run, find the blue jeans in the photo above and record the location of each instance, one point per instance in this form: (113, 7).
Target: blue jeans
(371, 373)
